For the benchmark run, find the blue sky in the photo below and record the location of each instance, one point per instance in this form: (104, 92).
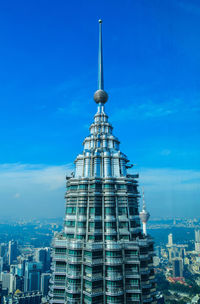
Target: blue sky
(48, 74)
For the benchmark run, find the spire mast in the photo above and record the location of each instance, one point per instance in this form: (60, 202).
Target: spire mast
(143, 205)
(100, 96)
(100, 63)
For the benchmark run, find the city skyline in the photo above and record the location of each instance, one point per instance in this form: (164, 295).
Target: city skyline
(47, 76)
(178, 240)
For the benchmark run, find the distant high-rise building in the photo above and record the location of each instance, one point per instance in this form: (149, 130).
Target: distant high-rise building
(2, 249)
(156, 261)
(1, 292)
(12, 252)
(1, 264)
(197, 241)
(158, 251)
(43, 255)
(170, 247)
(182, 253)
(45, 277)
(103, 256)
(7, 281)
(170, 239)
(18, 283)
(20, 270)
(32, 276)
(13, 269)
(177, 264)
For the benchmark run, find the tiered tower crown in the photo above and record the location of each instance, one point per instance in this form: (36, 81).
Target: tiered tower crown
(101, 155)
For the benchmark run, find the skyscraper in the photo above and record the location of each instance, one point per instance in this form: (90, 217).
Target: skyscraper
(102, 256)
(2, 249)
(177, 264)
(43, 255)
(32, 276)
(18, 283)
(197, 241)
(170, 240)
(44, 286)
(1, 265)
(7, 281)
(12, 252)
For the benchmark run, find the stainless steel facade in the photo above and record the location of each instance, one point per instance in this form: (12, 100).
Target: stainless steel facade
(102, 256)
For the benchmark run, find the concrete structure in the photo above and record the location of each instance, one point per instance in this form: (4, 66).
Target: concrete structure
(102, 256)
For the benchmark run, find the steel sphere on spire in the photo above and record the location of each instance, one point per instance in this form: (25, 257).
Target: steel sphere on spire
(100, 96)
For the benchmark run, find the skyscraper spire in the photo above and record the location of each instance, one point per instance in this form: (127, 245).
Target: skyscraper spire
(143, 201)
(100, 63)
(100, 95)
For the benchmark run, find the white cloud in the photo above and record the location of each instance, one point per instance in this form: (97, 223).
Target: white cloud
(171, 179)
(146, 110)
(165, 152)
(73, 108)
(50, 177)
(16, 195)
(171, 191)
(151, 109)
(38, 190)
(189, 7)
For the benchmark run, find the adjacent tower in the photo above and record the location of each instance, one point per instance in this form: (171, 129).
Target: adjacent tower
(144, 215)
(102, 256)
